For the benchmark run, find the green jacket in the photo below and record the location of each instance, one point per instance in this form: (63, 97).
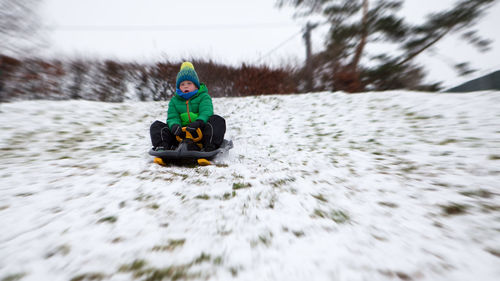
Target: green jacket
(183, 112)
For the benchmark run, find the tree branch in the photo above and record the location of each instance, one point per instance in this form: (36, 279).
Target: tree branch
(425, 47)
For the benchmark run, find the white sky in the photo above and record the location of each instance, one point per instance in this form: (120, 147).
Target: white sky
(228, 31)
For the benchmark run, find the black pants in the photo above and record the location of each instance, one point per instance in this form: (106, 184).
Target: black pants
(213, 133)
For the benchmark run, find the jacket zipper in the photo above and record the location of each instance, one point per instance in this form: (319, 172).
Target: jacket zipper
(187, 107)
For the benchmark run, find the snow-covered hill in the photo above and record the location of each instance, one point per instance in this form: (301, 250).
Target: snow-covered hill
(324, 186)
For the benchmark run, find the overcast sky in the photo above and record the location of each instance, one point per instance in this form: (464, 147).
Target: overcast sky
(228, 31)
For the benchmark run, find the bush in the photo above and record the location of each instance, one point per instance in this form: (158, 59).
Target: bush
(113, 81)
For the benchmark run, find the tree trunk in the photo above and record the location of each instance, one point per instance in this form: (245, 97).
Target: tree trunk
(308, 67)
(362, 41)
(350, 77)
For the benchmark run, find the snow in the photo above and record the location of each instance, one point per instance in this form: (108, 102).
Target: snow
(322, 186)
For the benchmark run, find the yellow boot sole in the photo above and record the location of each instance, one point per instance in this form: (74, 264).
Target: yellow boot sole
(203, 162)
(159, 161)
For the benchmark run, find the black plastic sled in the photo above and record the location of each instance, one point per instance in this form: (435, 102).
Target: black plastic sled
(181, 152)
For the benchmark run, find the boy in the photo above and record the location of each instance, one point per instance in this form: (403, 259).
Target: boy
(190, 107)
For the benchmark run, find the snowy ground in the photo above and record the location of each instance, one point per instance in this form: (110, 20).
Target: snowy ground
(324, 186)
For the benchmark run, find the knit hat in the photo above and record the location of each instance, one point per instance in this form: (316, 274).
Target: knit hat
(187, 73)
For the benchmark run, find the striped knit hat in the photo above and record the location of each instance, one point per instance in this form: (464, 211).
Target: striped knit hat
(187, 73)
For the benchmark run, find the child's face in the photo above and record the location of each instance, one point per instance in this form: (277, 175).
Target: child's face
(187, 86)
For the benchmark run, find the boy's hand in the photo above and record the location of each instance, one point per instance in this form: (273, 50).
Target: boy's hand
(191, 127)
(177, 130)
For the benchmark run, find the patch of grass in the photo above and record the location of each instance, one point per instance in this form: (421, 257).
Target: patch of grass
(442, 184)
(63, 250)
(202, 196)
(228, 195)
(217, 260)
(490, 208)
(202, 258)
(494, 252)
(437, 224)
(203, 172)
(153, 206)
(281, 182)
(272, 201)
(141, 270)
(320, 197)
(237, 176)
(494, 157)
(64, 157)
(134, 266)
(172, 244)
(298, 234)
(25, 194)
(264, 239)
(109, 219)
(117, 240)
(198, 182)
(323, 134)
(240, 185)
(338, 135)
(183, 176)
(93, 276)
(14, 277)
(337, 216)
(454, 209)
(398, 274)
(379, 238)
(483, 193)
(167, 273)
(418, 117)
(143, 197)
(388, 204)
(447, 141)
(409, 169)
(234, 271)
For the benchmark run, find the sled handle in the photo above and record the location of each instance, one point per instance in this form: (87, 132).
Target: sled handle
(189, 136)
